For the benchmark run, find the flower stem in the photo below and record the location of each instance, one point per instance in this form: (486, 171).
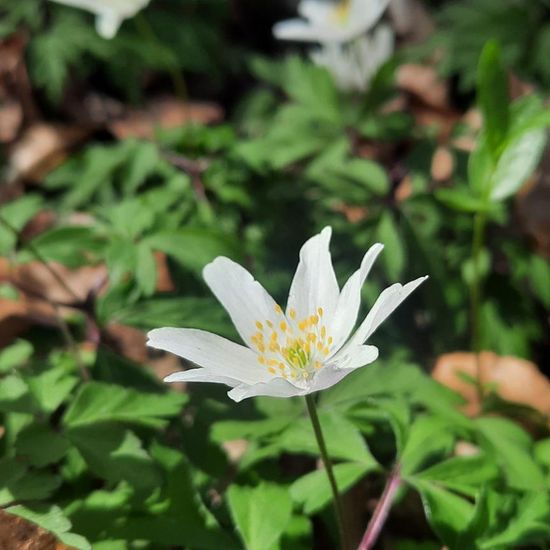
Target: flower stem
(381, 511)
(312, 410)
(476, 296)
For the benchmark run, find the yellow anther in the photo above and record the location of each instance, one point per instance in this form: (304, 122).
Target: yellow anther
(274, 336)
(319, 346)
(259, 325)
(261, 347)
(302, 325)
(274, 347)
(261, 359)
(320, 311)
(325, 352)
(323, 331)
(278, 309)
(329, 340)
(272, 370)
(314, 319)
(292, 313)
(282, 366)
(283, 326)
(272, 362)
(269, 324)
(317, 364)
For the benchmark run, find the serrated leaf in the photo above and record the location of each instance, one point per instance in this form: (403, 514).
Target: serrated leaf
(40, 445)
(511, 447)
(193, 247)
(261, 514)
(313, 491)
(15, 355)
(97, 402)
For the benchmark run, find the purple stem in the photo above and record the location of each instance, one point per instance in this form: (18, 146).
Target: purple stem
(381, 511)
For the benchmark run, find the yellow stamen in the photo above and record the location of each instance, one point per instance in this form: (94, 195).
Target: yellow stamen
(283, 326)
(272, 370)
(278, 309)
(323, 332)
(292, 314)
(259, 325)
(320, 311)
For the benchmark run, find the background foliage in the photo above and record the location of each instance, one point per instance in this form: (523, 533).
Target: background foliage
(111, 242)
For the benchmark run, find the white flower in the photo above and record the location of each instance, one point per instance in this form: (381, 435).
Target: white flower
(353, 65)
(327, 22)
(304, 349)
(109, 13)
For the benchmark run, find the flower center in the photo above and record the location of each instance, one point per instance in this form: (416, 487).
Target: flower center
(341, 12)
(292, 348)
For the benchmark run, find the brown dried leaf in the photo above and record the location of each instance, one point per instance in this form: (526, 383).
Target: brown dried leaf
(164, 113)
(514, 379)
(424, 83)
(41, 148)
(442, 164)
(11, 118)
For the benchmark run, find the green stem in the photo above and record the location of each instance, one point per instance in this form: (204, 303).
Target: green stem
(476, 296)
(312, 410)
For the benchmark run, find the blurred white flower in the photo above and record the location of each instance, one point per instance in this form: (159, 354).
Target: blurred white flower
(327, 22)
(304, 349)
(354, 64)
(109, 13)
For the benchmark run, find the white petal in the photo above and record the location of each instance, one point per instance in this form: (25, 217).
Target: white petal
(276, 387)
(364, 14)
(208, 350)
(349, 301)
(332, 373)
(314, 285)
(301, 31)
(245, 299)
(316, 11)
(201, 375)
(387, 302)
(107, 24)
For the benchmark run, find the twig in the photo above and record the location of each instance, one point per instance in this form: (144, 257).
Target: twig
(381, 511)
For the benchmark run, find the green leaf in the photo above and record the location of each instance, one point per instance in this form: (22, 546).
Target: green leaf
(461, 200)
(40, 445)
(447, 513)
(116, 454)
(313, 491)
(539, 277)
(368, 173)
(51, 387)
(394, 253)
(428, 436)
(15, 395)
(146, 269)
(461, 474)
(66, 245)
(52, 519)
(16, 213)
(261, 514)
(516, 163)
(97, 402)
(15, 355)
(529, 524)
(193, 247)
(511, 447)
(344, 441)
(492, 96)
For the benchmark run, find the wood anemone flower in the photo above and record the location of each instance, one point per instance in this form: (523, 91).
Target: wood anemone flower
(304, 349)
(327, 22)
(109, 13)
